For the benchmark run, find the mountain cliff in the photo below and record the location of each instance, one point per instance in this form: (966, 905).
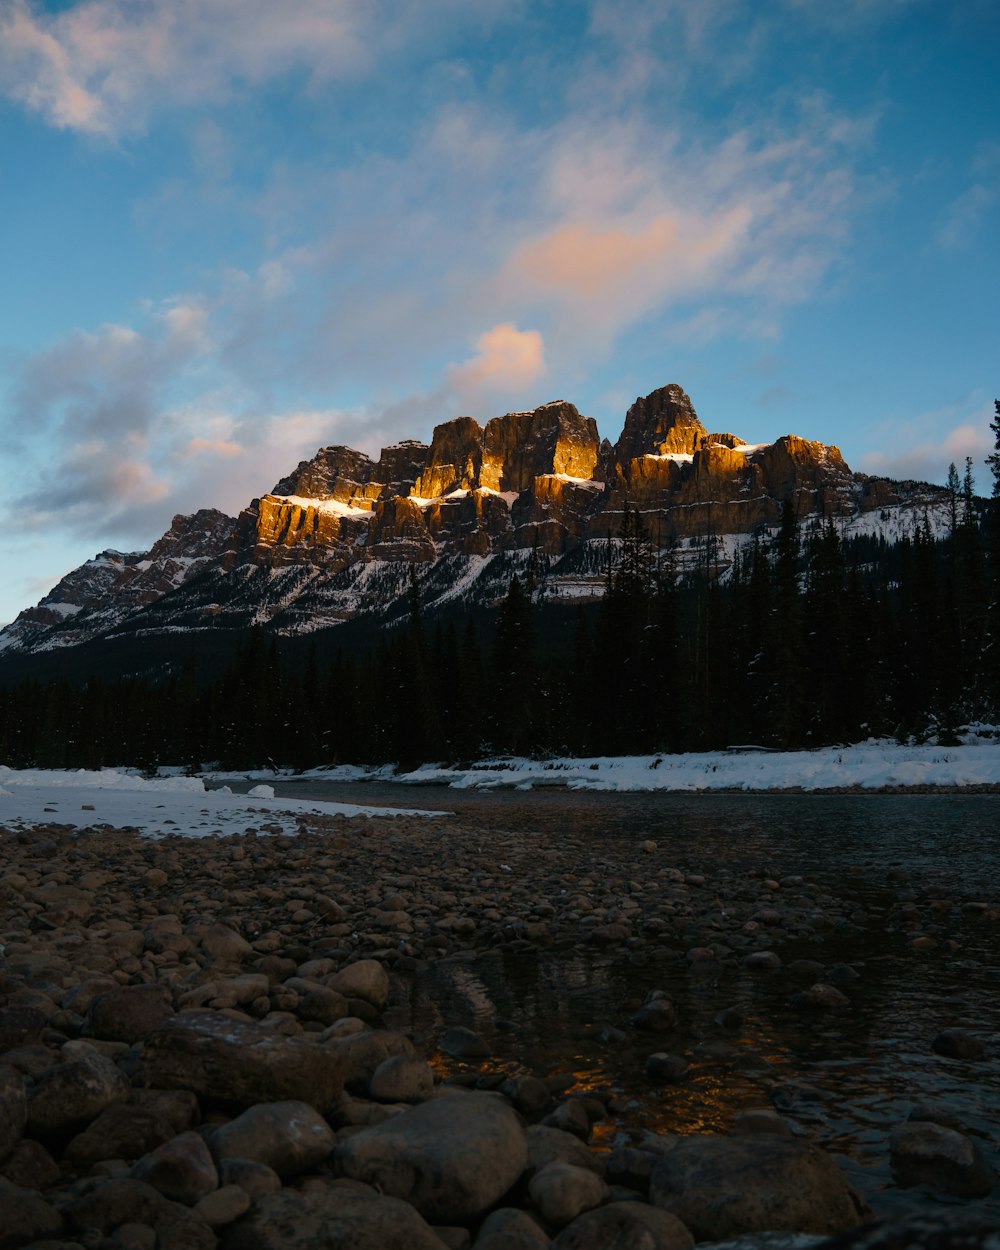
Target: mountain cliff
(338, 536)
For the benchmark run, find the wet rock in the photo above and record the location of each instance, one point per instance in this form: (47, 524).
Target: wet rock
(509, 1228)
(289, 1137)
(462, 1043)
(820, 997)
(129, 1013)
(762, 961)
(13, 1110)
(560, 1192)
(451, 1158)
(760, 1121)
(927, 1154)
(657, 1014)
(635, 1225)
(330, 1220)
(665, 1068)
(365, 979)
(182, 1169)
(723, 1187)
(360, 1055)
(402, 1078)
(955, 1044)
(529, 1094)
(26, 1217)
(238, 1062)
(570, 1117)
(631, 1167)
(70, 1095)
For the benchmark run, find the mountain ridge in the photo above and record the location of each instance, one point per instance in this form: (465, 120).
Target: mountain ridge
(338, 536)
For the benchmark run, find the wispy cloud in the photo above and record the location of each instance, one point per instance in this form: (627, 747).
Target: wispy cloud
(922, 446)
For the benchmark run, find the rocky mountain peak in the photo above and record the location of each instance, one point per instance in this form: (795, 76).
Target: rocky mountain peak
(661, 423)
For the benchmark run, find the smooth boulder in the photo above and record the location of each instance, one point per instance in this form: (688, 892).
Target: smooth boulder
(451, 1158)
(722, 1187)
(289, 1137)
(330, 1220)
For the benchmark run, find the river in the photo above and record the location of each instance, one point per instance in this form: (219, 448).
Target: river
(844, 1078)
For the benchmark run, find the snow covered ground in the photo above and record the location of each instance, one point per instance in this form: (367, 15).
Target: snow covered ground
(175, 804)
(868, 765)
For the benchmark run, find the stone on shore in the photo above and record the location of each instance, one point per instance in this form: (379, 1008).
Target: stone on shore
(635, 1225)
(451, 1158)
(561, 1192)
(129, 1013)
(182, 1169)
(239, 1062)
(365, 979)
(330, 1220)
(509, 1228)
(289, 1137)
(69, 1095)
(13, 1110)
(723, 1187)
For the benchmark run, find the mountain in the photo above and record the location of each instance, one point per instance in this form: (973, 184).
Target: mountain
(337, 538)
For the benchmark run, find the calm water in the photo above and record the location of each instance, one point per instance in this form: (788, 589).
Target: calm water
(844, 1078)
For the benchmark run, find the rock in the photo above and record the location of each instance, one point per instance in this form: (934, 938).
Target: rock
(402, 1078)
(359, 1055)
(657, 1014)
(928, 1154)
(122, 1131)
(289, 1137)
(451, 1158)
(20, 1026)
(365, 979)
(665, 1068)
(762, 961)
(629, 1225)
(954, 1044)
(550, 1145)
(723, 1187)
(761, 1120)
(330, 1220)
(239, 1062)
(25, 1217)
(130, 1013)
(509, 1228)
(224, 1205)
(182, 1169)
(127, 1201)
(224, 945)
(13, 1110)
(529, 1094)
(561, 1192)
(70, 1095)
(820, 997)
(462, 1043)
(31, 1166)
(631, 1167)
(134, 1237)
(254, 1178)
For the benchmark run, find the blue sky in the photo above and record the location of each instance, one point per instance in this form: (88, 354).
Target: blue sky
(234, 231)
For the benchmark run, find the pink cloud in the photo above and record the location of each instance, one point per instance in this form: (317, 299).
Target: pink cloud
(506, 359)
(212, 447)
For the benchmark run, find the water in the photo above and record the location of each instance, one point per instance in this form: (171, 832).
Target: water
(845, 1078)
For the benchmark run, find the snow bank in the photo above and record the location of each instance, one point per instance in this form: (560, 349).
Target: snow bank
(157, 806)
(868, 765)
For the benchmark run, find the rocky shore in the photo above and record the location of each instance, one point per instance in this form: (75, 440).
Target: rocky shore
(196, 1050)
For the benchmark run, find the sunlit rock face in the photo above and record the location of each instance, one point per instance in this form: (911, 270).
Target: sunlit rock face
(340, 534)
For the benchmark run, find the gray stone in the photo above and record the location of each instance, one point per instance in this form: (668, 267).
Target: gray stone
(509, 1228)
(182, 1169)
(462, 1043)
(223, 1206)
(122, 1131)
(552, 1145)
(239, 1062)
(70, 1095)
(129, 1013)
(452, 1158)
(365, 979)
(625, 1226)
(330, 1220)
(255, 1178)
(954, 1044)
(26, 1217)
(725, 1186)
(289, 1137)
(560, 1192)
(402, 1078)
(129, 1201)
(928, 1154)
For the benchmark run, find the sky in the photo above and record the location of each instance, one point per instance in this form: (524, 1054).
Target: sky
(234, 231)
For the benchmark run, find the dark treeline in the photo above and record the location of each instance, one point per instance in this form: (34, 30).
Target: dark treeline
(805, 643)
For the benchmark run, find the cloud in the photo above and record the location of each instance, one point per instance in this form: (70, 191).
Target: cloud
(507, 360)
(964, 216)
(100, 67)
(922, 447)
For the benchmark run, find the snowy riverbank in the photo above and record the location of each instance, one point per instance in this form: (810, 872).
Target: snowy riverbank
(158, 806)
